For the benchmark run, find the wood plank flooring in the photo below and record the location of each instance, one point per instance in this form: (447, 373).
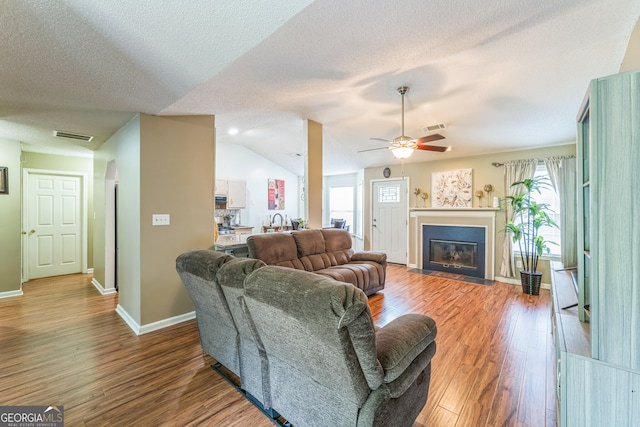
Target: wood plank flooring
(63, 344)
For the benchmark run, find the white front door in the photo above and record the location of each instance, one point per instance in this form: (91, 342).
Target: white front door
(389, 219)
(54, 225)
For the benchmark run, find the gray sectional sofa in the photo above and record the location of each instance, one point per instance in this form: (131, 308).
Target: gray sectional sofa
(304, 346)
(326, 251)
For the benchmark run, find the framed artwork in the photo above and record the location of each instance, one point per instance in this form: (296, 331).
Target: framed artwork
(275, 195)
(452, 189)
(4, 180)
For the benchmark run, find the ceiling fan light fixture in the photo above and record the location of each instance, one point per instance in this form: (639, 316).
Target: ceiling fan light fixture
(402, 152)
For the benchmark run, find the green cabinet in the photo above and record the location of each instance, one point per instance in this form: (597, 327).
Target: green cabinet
(609, 208)
(598, 363)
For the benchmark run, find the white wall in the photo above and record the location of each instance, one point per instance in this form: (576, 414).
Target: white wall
(236, 162)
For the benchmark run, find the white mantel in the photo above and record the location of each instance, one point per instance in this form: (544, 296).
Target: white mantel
(479, 211)
(474, 217)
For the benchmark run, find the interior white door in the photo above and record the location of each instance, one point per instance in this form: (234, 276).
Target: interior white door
(389, 219)
(54, 225)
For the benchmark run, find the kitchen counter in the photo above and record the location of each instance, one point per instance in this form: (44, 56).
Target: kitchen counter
(233, 244)
(243, 229)
(276, 228)
(229, 240)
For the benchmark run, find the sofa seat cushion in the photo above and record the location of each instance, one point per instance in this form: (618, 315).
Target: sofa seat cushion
(361, 275)
(377, 272)
(292, 263)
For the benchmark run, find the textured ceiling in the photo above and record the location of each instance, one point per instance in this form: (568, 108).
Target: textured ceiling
(502, 75)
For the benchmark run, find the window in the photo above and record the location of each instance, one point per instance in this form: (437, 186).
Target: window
(549, 196)
(388, 194)
(359, 203)
(341, 203)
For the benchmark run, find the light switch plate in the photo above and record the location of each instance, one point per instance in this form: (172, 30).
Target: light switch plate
(161, 219)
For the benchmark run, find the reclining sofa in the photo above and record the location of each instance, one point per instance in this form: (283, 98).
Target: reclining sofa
(327, 252)
(304, 346)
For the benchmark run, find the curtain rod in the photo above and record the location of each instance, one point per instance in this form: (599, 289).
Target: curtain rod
(497, 164)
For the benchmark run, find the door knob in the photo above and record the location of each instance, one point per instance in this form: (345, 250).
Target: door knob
(32, 231)
(24, 232)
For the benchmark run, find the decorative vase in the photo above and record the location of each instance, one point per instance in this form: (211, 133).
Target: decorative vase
(530, 281)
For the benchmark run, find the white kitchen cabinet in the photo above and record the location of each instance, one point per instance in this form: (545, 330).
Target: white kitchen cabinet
(237, 194)
(222, 187)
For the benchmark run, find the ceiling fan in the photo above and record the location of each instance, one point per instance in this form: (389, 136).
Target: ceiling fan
(402, 146)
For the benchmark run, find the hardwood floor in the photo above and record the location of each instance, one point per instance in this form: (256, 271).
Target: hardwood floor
(63, 344)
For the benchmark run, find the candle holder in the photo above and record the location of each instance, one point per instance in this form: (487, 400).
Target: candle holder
(488, 188)
(416, 191)
(479, 195)
(424, 196)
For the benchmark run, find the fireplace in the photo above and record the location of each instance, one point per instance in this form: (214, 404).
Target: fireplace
(454, 249)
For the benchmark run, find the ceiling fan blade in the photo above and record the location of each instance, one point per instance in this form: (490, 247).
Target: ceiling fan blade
(374, 149)
(380, 139)
(437, 148)
(429, 138)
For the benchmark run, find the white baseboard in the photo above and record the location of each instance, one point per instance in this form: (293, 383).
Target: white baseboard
(160, 324)
(89, 271)
(517, 282)
(10, 294)
(101, 288)
(128, 319)
(509, 280)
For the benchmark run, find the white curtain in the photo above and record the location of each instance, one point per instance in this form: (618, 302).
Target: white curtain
(562, 171)
(514, 171)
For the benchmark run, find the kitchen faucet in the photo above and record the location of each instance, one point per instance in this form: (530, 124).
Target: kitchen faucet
(274, 218)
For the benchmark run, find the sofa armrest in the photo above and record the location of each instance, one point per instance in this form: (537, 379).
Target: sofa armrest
(379, 257)
(401, 341)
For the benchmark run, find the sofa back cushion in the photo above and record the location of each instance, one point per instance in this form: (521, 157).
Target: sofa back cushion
(320, 249)
(337, 244)
(320, 327)
(198, 270)
(275, 249)
(311, 249)
(309, 242)
(202, 263)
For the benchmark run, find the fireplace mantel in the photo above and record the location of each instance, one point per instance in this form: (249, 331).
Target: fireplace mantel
(474, 217)
(494, 210)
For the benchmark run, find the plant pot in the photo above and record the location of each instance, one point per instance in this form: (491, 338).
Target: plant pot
(530, 282)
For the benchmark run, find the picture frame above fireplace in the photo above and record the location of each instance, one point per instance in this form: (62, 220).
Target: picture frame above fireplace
(452, 189)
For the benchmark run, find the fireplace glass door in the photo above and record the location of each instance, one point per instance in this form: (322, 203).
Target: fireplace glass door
(454, 249)
(454, 254)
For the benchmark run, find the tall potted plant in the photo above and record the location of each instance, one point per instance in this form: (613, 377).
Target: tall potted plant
(528, 217)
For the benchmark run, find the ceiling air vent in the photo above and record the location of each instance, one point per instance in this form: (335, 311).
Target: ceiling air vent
(431, 128)
(71, 135)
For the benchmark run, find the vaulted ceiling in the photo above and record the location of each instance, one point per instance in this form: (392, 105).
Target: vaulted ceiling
(502, 75)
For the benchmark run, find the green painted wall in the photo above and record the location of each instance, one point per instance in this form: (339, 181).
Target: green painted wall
(10, 221)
